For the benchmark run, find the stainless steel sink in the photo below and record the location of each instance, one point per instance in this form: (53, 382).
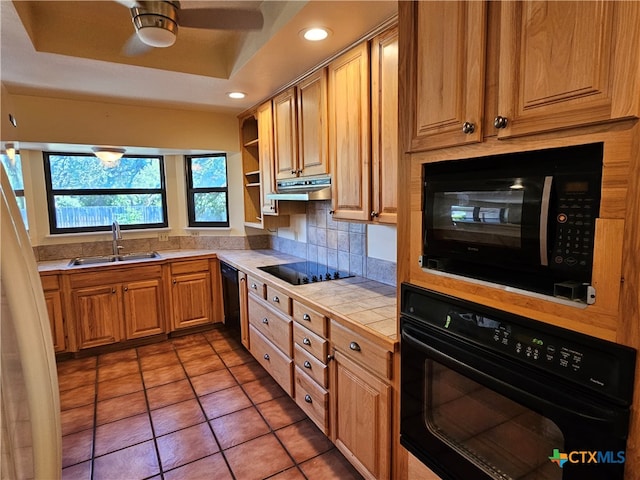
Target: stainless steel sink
(96, 260)
(137, 256)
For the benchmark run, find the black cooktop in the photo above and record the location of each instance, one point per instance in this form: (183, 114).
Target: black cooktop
(300, 273)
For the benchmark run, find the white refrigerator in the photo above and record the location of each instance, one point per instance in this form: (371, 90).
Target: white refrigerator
(31, 441)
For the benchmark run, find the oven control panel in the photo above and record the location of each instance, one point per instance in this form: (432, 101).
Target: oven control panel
(597, 364)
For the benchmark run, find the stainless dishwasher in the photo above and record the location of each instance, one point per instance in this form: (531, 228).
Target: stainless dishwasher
(231, 297)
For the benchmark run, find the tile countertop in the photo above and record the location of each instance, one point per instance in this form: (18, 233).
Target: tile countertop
(369, 305)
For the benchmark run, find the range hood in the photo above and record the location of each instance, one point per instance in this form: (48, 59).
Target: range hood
(303, 189)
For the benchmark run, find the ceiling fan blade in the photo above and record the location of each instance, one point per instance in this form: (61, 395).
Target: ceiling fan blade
(220, 18)
(135, 46)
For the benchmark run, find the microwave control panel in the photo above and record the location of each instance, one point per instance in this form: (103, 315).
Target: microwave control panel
(577, 210)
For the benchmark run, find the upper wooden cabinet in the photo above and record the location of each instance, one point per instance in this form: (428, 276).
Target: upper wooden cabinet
(300, 128)
(349, 134)
(560, 65)
(264, 116)
(384, 127)
(285, 134)
(450, 52)
(312, 124)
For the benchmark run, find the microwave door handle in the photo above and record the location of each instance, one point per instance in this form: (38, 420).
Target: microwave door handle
(544, 219)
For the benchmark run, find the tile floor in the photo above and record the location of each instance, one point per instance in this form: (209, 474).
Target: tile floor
(191, 407)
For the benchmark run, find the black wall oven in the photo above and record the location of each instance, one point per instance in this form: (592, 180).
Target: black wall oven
(490, 395)
(524, 219)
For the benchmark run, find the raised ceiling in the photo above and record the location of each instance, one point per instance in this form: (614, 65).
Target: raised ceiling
(74, 49)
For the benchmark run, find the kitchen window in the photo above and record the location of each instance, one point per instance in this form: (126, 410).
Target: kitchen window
(85, 195)
(207, 190)
(13, 167)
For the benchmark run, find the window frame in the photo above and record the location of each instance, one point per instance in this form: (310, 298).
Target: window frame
(191, 191)
(52, 193)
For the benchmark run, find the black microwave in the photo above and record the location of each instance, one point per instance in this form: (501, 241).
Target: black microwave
(525, 220)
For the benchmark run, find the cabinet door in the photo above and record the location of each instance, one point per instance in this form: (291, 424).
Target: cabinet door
(56, 320)
(556, 62)
(349, 137)
(265, 152)
(143, 309)
(450, 68)
(312, 124)
(191, 296)
(98, 315)
(384, 127)
(361, 418)
(285, 135)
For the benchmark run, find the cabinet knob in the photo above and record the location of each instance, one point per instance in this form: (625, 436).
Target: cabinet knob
(272, 207)
(265, 320)
(306, 317)
(307, 398)
(266, 356)
(354, 346)
(307, 364)
(299, 171)
(331, 212)
(468, 128)
(113, 290)
(293, 172)
(500, 122)
(276, 299)
(253, 285)
(329, 358)
(175, 281)
(375, 214)
(306, 341)
(126, 289)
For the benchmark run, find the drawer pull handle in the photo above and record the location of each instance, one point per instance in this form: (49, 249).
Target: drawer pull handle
(307, 364)
(254, 286)
(307, 398)
(265, 320)
(266, 356)
(113, 290)
(276, 299)
(306, 317)
(354, 346)
(306, 341)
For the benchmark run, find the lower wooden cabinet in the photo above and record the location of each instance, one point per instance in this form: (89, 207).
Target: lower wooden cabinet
(361, 417)
(115, 305)
(191, 294)
(53, 299)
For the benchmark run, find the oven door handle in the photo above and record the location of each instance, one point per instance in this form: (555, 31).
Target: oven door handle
(582, 410)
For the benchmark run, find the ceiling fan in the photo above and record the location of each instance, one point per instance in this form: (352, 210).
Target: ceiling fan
(156, 22)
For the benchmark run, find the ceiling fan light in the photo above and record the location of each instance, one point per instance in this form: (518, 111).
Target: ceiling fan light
(109, 157)
(157, 37)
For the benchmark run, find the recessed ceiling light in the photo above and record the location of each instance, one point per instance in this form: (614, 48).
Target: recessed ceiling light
(236, 95)
(315, 34)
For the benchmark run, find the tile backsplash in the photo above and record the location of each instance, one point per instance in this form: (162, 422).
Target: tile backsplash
(340, 244)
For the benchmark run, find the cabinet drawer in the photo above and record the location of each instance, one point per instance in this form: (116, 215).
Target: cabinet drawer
(311, 319)
(312, 343)
(279, 366)
(271, 324)
(364, 351)
(190, 266)
(255, 286)
(279, 300)
(312, 399)
(50, 282)
(311, 365)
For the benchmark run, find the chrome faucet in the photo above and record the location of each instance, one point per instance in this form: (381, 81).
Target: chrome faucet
(115, 230)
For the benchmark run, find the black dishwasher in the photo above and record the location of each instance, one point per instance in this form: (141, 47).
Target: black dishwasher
(231, 297)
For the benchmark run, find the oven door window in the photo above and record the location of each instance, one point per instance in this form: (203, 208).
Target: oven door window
(503, 438)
